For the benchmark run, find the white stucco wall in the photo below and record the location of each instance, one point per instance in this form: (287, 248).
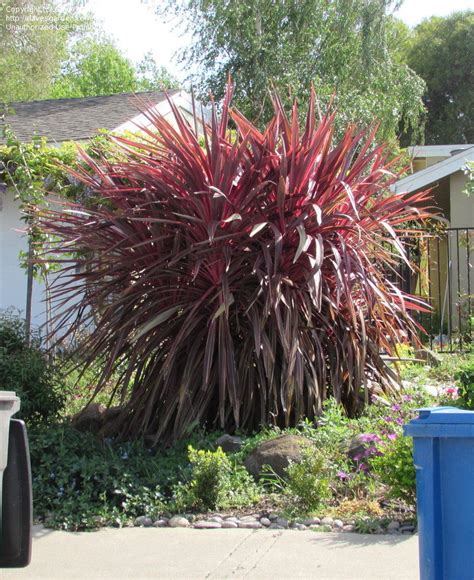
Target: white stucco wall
(13, 277)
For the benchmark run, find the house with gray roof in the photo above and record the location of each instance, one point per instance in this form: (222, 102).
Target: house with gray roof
(79, 119)
(61, 120)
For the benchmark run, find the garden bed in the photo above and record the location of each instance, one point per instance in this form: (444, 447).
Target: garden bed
(358, 475)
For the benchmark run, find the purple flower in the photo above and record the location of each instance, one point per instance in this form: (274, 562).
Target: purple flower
(399, 421)
(342, 475)
(396, 407)
(392, 436)
(368, 437)
(407, 398)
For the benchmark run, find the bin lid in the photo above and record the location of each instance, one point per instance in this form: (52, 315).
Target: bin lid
(443, 415)
(8, 395)
(9, 401)
(441, 422)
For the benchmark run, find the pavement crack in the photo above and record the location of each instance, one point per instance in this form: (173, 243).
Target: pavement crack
(229, 555)
(259, 558)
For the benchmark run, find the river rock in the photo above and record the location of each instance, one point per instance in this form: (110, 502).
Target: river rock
(229, 524)
(207, 525)
(393, 527)
(311, 521)
(178, 522)
(250, 525)
(143, 521)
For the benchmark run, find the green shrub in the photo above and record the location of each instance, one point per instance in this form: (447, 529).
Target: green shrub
(25, 369)
(216, 482)
(307, 485)
(465, 379)
(395, 468)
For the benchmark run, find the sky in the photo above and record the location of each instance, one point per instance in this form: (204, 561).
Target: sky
(136, 29)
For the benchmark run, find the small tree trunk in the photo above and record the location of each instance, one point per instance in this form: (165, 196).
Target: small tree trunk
(29, 291)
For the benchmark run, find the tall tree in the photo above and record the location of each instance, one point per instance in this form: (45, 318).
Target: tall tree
(150, 76)
(97, 67)
(343, 46)
(33, 43)
(94, 68)
(442, 53)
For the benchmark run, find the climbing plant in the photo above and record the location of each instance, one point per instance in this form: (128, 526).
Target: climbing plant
(37, 173)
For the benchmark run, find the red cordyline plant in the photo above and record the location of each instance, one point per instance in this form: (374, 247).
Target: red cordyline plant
(237, 283)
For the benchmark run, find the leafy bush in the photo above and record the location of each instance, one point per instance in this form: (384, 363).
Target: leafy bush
(25, 369)
(307, 485)
(465, 378)
(236, 282)
(215, 483)
(394, 466)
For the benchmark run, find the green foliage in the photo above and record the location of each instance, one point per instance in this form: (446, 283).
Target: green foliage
(151, 77)
(442, 53)
(465, 378)
(31, 52)
(445, 371)
(395, 468)
(25, 369)
(348, 48)
(80, 482)
(469, 190)
(307, 485)
(79, 386)
(97, 67)
(60, 55)
(94, 68)
(33, 171)
(369, 525)
(215, 482)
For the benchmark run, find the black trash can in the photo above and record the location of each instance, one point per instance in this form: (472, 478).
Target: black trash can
(16, 501)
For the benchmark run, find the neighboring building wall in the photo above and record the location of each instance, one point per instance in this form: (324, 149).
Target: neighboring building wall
(442, 197)
(462, 206)
(13, 276)
(461, 249)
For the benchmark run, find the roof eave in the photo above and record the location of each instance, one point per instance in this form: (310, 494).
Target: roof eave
(433, 173)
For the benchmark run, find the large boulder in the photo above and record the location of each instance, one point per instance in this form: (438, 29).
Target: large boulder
(277, 453)
(95, 418)
(89, 419)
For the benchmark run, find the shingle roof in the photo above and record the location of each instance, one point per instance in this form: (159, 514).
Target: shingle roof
(74, 119)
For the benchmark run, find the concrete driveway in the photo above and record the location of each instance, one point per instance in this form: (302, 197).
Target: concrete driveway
(143, 553)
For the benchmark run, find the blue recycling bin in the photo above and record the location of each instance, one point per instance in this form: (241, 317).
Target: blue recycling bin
(443, 448)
